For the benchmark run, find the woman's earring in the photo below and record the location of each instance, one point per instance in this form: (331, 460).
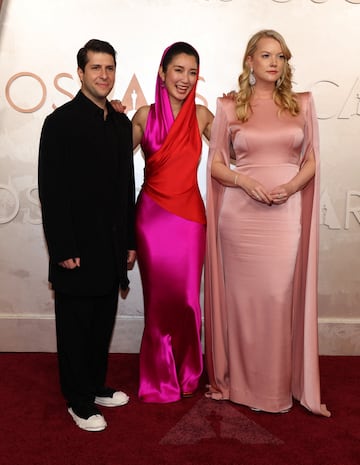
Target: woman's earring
(252, 78)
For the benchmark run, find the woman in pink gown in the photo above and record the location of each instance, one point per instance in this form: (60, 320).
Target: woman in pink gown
(170, 228)
(262, 241)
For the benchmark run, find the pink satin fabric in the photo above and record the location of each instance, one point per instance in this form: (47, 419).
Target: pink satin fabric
(261, 264)
(170, 227)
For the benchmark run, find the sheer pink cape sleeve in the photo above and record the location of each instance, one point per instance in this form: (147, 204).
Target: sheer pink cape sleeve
(216, 353)
(306, 376)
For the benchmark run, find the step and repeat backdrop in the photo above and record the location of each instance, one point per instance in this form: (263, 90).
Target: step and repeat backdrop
(38, 45)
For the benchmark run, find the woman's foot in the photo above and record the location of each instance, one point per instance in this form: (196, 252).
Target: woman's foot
(187, 394)
(254, 409)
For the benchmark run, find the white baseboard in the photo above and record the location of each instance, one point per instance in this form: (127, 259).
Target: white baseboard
(339, 336)
(36, 333)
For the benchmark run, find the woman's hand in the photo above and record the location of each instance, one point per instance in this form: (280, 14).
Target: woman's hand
(232, 94)
(118, 106)
(280, 194)
(256, 190)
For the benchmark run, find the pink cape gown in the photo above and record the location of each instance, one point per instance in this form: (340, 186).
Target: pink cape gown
(170, 228)
(261, 339)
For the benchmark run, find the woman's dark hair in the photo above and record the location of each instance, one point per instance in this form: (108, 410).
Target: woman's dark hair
(177, 48)
(94, 45)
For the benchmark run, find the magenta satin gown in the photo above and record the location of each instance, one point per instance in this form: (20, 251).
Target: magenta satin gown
(170, 228)
(261, 265)
(170, 256)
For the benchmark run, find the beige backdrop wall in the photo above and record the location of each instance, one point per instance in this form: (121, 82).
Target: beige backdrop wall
(38, 44)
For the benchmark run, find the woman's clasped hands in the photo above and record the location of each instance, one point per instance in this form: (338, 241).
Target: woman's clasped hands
(278, 195)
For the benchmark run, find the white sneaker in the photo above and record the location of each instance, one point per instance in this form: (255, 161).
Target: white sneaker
(116, 400)
(94, 423)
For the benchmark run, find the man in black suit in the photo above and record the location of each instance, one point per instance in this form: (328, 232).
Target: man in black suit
(87, 194)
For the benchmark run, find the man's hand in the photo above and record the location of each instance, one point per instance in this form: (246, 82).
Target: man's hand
(70, 263)
(131, 259)
(124, 293)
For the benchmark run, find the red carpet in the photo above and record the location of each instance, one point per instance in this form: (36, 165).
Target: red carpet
(35, 428)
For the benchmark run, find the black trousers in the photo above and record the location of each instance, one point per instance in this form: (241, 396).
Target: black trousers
(84, 327)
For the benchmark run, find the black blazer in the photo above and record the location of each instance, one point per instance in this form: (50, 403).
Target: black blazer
(87, 195)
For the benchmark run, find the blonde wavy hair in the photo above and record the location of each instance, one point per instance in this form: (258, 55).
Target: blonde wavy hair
(283, 95)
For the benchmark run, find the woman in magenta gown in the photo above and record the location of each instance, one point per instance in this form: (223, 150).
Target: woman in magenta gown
(262, 239)
(170, 228)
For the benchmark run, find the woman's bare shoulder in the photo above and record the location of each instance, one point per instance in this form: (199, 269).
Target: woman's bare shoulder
(141, 114)
(204, 113)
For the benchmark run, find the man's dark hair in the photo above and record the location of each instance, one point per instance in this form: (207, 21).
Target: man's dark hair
(94, 45)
